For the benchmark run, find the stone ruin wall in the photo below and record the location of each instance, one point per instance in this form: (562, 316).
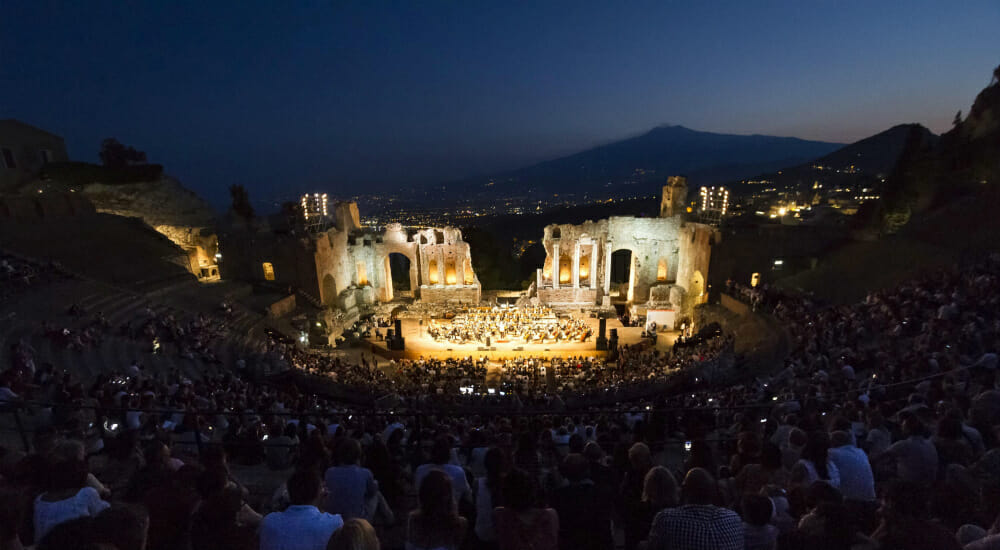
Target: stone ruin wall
(350, 258)
(669, 259)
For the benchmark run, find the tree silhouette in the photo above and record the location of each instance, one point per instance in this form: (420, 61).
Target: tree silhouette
(115, 155)
(958, 118)
(241, 202)
(996, 76)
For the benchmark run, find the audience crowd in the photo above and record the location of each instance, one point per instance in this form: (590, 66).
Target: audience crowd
(879, 431)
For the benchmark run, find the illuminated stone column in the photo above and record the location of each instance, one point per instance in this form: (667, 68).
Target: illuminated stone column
(593, 266)
(440, 266)
(607, 267)
(459, 273)
(575, 272)
(538, 279)
(555, 265)
(631, 277)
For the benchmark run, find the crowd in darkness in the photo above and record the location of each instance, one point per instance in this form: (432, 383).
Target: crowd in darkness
(880, 430)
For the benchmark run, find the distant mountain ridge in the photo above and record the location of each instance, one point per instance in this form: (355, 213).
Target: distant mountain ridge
(643, 162)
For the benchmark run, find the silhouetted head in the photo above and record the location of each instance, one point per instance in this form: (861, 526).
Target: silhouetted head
(699, 487)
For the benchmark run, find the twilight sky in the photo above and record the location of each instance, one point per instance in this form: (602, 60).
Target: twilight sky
(359, 96)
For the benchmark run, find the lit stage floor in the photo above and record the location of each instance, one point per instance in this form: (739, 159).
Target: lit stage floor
(419, 343)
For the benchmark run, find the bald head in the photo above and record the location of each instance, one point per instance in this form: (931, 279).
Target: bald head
(699, 487)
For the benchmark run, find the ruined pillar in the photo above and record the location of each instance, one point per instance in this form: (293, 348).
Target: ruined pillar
(575, 270)
(538, 279)
(631, 277)
(460, 272)
(593, 266)
(440, 254)
(607, 267)
(555, 265)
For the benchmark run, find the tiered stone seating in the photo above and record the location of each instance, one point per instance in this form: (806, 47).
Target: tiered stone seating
(118, 307)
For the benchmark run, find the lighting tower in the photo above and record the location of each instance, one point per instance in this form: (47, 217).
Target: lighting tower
(714, 204)
(315, 212)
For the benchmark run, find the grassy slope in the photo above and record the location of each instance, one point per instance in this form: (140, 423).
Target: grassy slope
(965, 228)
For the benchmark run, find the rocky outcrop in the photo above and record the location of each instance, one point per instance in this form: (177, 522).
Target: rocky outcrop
(166, 206)
(164, 202)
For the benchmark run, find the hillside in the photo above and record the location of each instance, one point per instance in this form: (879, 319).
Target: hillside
(938, 208)
(866, 161)
(641, 164)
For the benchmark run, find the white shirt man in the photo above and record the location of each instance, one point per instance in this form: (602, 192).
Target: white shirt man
(301, 526)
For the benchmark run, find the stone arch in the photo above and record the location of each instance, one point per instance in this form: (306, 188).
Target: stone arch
(328, 290)
(565, 272)
(450, 272)
(432, 272)
(400, 271)
(622, 273)
(556, 233)
(621, 265)
(696, 288)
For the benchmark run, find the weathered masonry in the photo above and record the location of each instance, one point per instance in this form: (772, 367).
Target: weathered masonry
(348, 265)
(658, 261)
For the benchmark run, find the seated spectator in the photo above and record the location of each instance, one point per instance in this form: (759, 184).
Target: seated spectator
(905, 522)
(698, 524)
(488, 495)
(68, 496)
(216, 525)
(521, 523)
(125, 527)
(630, 496)
(435, 525)
(585, 515)
(351, 488)
(815, 463)
(857, 482)
(171, 507)
(11, 516)
(659, 492)
(356, 534)
(915, 457)
(281, 446)
(301, 526)
(758, 533)
(770, 471)
(439, 460)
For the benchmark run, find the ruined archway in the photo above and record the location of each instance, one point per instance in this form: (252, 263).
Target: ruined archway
(432, 272)
(400, 268)
(621, 266)
(622, 274)
(696, 289)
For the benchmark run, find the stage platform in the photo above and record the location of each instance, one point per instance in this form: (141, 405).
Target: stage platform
(420, 344)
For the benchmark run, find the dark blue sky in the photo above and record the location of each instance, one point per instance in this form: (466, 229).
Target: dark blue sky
(293, 96)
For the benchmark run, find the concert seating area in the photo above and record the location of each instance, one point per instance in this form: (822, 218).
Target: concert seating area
(879, 430)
